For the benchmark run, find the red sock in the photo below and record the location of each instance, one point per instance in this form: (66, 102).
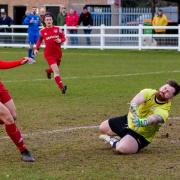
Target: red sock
(15, 135)
(49, 70)
(59, 82)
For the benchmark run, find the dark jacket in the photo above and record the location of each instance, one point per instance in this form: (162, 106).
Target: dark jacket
(5, 21)
(86, 19)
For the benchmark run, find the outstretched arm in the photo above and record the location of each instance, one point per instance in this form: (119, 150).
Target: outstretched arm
(12, 64)
(135, 102)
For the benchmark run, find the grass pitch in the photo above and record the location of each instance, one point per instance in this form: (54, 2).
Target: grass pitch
(100, 84)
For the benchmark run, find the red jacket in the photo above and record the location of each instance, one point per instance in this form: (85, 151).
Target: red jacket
(72, 19)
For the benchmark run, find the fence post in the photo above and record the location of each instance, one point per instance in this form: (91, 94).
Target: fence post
(179, 37)
(102, 36)
(140, 30)
(65, 34)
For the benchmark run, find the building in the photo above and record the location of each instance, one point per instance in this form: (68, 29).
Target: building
(16, 9)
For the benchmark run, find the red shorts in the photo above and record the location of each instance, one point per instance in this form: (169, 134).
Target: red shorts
(53, 60)
(4, 94)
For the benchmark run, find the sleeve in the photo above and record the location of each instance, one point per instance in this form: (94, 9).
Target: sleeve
(164, 113)
(165, 22)
(10, 64)
(61, 35)
(26, 20)
(38, 44)
(147, 93)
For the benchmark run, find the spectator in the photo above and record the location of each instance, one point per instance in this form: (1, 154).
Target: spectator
(33, 22)
(42, 13)
(160, 20)
(61, 17)
(5, 20)
(86, 19)
(72, 20)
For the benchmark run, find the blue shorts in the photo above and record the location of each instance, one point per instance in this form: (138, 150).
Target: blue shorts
(33, 37)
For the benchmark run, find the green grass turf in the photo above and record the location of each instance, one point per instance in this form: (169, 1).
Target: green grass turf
(100, 85)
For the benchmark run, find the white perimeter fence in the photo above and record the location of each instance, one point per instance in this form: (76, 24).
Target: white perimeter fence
(103, 37)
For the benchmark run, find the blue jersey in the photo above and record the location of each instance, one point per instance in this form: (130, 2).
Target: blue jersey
(34, 26)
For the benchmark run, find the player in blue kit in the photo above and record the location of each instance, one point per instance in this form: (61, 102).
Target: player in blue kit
(33, 22)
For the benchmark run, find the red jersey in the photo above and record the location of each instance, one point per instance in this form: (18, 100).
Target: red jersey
(49, 34)
(4, 94)
(10, 64)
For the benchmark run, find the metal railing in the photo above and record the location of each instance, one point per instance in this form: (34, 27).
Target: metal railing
(103, 37)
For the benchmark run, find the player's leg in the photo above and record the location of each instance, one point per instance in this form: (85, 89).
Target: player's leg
(6, 99)
(57, 78)
(31, 43)
(11, 107)
(59, 61)
(49, 71)
(105, 128)
(14, 133)
(127, 145)
(7, 117)
(131, 143)
(113, 127)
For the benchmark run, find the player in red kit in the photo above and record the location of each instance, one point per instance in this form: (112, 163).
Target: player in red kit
(53, 37)
(8, 111)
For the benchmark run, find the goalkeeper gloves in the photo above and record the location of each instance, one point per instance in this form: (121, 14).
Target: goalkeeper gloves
(135, 119)
(139, 122)
(133, 108)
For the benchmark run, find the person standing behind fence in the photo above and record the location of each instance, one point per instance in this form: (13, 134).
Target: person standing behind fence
(87, 20)
(72, 20)
(5, 20)
(61, 17)
(42, 13)
(33, 22)
(160, 20)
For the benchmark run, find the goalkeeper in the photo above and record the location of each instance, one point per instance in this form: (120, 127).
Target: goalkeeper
(149, 109)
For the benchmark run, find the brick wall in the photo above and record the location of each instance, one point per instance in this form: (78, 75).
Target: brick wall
(40, 3)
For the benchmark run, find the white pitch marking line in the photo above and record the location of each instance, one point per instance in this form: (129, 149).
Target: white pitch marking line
(55, 131)
(95, 76)
(64, 130)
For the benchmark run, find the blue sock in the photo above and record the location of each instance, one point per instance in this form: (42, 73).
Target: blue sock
(30, 51)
